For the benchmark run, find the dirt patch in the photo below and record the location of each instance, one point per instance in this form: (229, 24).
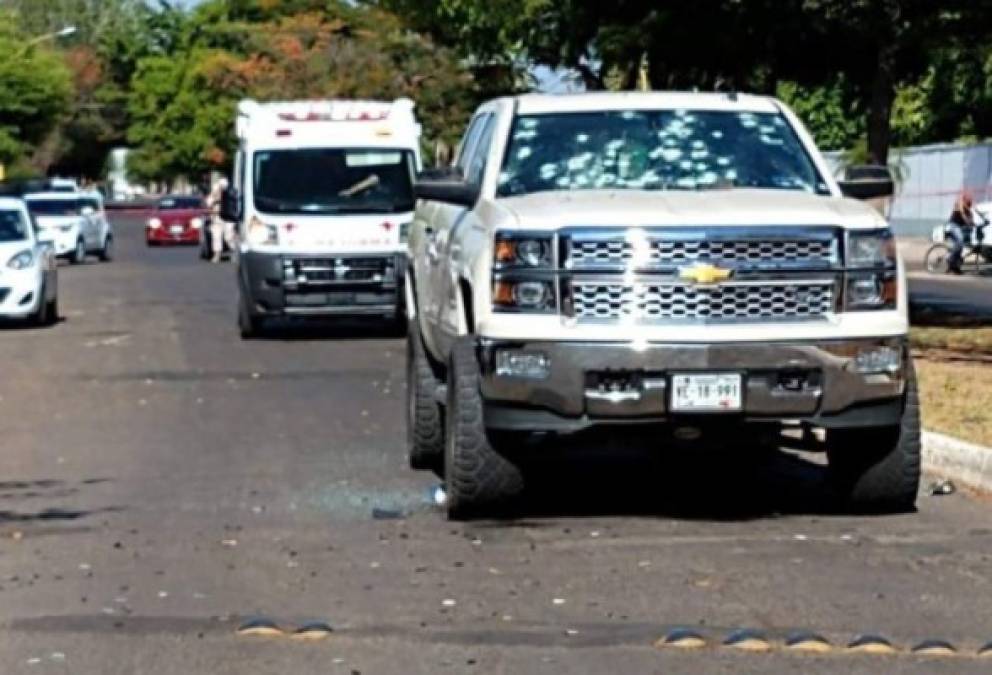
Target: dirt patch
(956, 397)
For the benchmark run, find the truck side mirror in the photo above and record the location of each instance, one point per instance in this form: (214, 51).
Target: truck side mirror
(446, 189)
(867, 182)
(230, 205)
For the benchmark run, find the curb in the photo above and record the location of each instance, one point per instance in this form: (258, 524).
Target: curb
(967, 463)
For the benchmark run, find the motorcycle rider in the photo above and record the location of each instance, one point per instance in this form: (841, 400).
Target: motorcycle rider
(960, 229)
(220, 231)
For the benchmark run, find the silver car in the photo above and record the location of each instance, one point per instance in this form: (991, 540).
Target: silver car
(74, 222)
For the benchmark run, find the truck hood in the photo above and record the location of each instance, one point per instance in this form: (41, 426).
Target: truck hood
(730, 208)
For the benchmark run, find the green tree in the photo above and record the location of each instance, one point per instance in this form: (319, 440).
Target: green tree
(182, 103)
(35, 88)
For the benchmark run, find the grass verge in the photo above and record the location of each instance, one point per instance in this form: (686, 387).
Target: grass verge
(956, 397)
(971, 341)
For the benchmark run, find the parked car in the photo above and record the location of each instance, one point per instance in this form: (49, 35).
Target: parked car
(678, 260)
(29, 276)
(176, 219)
(75, 224)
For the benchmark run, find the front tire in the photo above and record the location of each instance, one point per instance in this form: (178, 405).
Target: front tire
(41, 316)
(424, 419)
(107, 252)
(878, 470)
(250, 325)
(79, 253)
(477, 477)
(936, 259)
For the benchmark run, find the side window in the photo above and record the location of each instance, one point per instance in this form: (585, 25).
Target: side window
(468, 143)
(480, 154)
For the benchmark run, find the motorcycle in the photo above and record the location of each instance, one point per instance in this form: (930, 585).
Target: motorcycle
(977, 249)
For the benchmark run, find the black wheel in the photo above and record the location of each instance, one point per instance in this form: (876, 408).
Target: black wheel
(79, 253)
(107, 252)
(424, 414)
(53, 311)
(41, 316)
(477, 477)
(936, 259)
(878, 469)
(250, 325)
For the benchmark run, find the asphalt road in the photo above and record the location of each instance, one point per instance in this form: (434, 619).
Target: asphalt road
(969, 294)
(161, 480)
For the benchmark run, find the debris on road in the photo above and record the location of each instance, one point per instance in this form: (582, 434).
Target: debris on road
(942, 488)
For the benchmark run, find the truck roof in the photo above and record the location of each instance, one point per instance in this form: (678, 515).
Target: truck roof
(536, 104)
(328, 123)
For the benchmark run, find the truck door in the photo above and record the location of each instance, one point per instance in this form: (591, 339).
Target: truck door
(448, 241)
(429, 267)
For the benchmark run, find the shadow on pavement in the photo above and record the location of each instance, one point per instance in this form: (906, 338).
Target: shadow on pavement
(595, 475)
(319, 330)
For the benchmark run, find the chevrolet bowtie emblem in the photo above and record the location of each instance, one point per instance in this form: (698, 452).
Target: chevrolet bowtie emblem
(705, 274)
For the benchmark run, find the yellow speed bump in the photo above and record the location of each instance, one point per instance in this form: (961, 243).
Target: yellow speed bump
(986, 651)
(935, 648)
(260, 627)
(682, 638)
(748, 641)
(312, 631)
(803, 641)
(871, 644)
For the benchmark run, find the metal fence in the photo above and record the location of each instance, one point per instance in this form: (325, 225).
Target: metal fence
(932, 178)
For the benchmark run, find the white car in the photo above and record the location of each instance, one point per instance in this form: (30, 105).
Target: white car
(28, 271)
(681, 261)
(74, 222)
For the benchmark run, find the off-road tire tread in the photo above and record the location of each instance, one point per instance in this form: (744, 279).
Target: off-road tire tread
(478, 478)
(425, 419)
(886, 481)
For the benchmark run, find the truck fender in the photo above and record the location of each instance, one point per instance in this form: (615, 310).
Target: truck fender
(467, 305)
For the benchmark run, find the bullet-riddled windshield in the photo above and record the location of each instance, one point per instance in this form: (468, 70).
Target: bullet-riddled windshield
(333, 180)
(655, 150)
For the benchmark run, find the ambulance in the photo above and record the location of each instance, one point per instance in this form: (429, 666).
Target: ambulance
(322, 200)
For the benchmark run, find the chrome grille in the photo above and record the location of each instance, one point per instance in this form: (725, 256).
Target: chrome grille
(318, 270)
(654, 301)
(734, 252)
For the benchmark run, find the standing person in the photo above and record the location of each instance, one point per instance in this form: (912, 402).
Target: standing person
(219, 230)
(960, 228)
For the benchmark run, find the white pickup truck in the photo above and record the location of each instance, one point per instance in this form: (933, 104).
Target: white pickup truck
(679, 260)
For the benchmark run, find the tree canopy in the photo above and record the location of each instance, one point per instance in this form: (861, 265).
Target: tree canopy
(164, 76)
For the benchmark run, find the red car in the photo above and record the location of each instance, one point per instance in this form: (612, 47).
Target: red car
(176, 219)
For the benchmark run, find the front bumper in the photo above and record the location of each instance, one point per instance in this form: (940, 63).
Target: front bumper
(20, 293)
(165, 235)
(322, 284)
(808, 381)
(63, 241)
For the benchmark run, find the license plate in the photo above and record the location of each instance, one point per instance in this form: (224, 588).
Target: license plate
(706, 392)
(176, 229)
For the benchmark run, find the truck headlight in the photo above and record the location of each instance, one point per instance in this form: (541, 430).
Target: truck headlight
(521, 249)
(523, 296)
(262, 234)
(875, 248)
(21, 260)
(876, 290)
